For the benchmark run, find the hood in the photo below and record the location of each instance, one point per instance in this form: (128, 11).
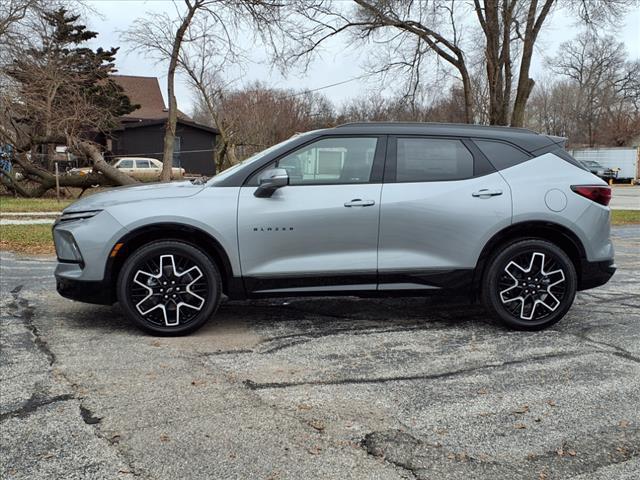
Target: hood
(134, 193)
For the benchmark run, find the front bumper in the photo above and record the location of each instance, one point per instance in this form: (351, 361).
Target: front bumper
(99, 292)
(595, 274)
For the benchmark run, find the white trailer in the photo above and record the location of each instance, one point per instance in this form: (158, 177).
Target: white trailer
(623, 160)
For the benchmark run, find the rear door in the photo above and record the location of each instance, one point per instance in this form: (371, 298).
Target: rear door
(441, 202)
(320, 233)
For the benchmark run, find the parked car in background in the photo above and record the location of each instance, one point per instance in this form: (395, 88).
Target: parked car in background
(504, 215)
(598, 170)
(140, 168)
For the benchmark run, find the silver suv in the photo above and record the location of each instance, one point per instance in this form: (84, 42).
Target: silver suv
(504, 215)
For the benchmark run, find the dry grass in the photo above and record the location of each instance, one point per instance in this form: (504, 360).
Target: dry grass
(11, 204)
(625, 217)
(29, 239)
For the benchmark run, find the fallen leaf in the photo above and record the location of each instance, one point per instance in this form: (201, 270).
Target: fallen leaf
(520, 426)
(317, 425)
(523, 409)
(196, 382)
(314, 450)
(624, 423)
(551, 403)
(164, 437)
(572, 453)
(483, 391)
(304, 406)
(560, 452)
(156, 343)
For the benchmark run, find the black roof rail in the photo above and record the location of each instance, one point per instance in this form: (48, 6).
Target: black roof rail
(469, 126)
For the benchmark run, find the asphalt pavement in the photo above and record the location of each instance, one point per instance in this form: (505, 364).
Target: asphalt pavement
(320, 388)
(625, 197)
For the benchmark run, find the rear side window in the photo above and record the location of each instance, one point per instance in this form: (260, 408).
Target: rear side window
(432, 159)
(501, 155)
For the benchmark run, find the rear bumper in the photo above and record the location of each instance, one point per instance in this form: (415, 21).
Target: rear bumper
(595, 274)
(89, 292)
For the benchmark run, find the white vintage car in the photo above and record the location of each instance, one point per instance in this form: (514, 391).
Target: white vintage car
(140, 168)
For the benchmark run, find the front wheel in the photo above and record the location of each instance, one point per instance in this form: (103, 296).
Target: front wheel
(530, 285)
(169, 288)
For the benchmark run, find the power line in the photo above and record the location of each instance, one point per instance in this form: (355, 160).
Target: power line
(324, 87)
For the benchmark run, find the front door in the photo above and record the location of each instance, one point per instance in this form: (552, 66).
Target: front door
(319, 233)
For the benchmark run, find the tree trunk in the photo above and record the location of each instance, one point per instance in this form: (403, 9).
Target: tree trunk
(172, 116)
(111, 173)
(525, 84)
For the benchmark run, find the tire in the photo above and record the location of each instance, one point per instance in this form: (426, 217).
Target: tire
(529, 302)
(176, 299)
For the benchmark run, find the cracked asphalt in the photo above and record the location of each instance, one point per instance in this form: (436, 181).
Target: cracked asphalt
(320, 388)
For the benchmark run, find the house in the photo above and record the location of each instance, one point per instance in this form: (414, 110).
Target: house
(141, 132)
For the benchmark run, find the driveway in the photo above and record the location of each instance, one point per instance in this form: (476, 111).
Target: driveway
(625, 198)
(320, 388)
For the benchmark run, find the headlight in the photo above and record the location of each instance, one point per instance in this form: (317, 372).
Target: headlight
(66, 217)
(66, 246)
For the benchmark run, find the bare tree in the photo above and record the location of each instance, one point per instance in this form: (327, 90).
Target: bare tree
(57, 91)
(165, 37)
(605, 83)
(415, 30)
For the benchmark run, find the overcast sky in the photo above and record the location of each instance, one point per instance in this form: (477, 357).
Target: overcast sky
(338, 63)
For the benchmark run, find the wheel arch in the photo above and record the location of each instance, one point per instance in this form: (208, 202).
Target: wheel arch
(552, 232)
(134, 239)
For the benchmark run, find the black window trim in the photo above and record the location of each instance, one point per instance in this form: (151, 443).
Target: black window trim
(481, 166)
(377, 168)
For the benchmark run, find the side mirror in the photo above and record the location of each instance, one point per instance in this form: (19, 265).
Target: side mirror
(270, 181)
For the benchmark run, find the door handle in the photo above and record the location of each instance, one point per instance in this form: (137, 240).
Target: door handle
(357, 202)
(485, 192)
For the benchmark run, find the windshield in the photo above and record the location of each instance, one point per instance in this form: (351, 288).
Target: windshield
(591, 163)
(226, 173)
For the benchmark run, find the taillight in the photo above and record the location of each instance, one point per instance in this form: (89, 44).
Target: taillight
(599, 193)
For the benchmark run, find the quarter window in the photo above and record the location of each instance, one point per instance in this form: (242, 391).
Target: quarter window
(432, 159)
(501, 155)
(328, 161)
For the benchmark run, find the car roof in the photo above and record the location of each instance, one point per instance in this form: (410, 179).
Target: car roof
(523, 137)
(137, 158)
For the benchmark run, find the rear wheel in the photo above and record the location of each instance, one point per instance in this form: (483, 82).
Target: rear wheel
(169, 288)
(530, 284)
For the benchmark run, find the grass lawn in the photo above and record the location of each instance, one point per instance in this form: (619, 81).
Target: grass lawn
(31, 239)
(11, 204)
(625, 217)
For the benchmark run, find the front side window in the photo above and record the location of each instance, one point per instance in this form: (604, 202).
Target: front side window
(125, 164)
(432, 159)
(328, 161)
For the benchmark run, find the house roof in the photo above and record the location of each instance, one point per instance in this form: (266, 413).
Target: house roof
(141, 123)
(144, 91)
